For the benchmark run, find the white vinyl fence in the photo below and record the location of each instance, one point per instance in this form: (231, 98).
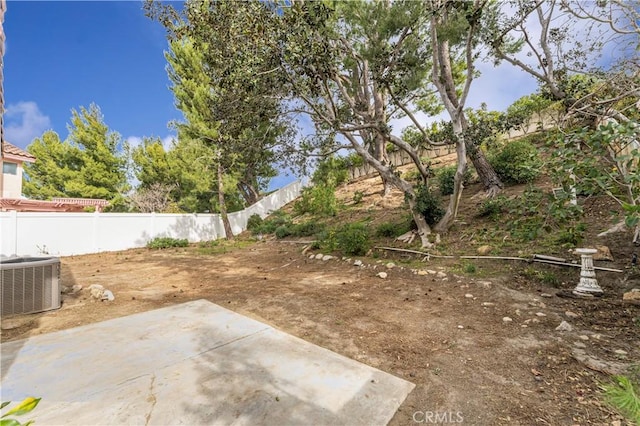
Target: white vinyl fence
(64, 234)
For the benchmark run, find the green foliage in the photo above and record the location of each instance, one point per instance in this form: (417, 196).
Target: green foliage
(494, 208)
(282, 231)
(353, 239)
(624, 395)
(445, 177)
(516, 162)
(319, 200)
(357, 197)
(387, 229)
(254, 222)
(428, 205)
(545, 277)
(600, 161)
(269, 225)
(166, 242)
(24, 407)
(90, 163)
(307, 229)
(571, 236)
(331, 171)
(520, 113)
(469, 268)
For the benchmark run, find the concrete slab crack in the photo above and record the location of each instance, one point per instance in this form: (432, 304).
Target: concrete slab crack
(152, 399)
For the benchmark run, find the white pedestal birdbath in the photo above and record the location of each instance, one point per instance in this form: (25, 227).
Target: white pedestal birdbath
(588, 284)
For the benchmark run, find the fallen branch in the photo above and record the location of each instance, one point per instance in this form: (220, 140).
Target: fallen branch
(538, 259)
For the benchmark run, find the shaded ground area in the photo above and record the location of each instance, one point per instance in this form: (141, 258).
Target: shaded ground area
(444, 332)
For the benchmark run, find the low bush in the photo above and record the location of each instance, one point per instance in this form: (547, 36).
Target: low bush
(270, 224)
(282, 231)
(307, 229)
(387, 229)
(319, 200)
(494, 208)
(516, 162)
(353, 239)
(428, 205)
(254, 222)
(167, 242)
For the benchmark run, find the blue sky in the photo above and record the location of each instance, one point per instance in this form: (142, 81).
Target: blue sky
(63, 55)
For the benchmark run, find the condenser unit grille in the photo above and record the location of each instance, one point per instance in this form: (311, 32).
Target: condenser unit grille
(29, 285)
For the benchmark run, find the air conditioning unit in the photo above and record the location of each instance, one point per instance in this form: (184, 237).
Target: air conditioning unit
(29, 284)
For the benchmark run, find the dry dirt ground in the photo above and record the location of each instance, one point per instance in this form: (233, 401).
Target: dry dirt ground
(444, 332)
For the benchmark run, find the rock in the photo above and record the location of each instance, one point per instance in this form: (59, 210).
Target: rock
(546, 295)
(541, 314)
(422, 272)
(12, 323)
(312, 256)
(98, 286)
(441, 274)
(632, 296)
(483, 250)
(382, 275)
(65, 289)
(620, 352)
(603, 253)
(583, 337)
(469, 296)
(485, 284)
(76, 288)
(507, 319)
(96, 292)
(579, 345)
(488, 304)
(571, 314)
(319, 256)
(431, 272)
(327, 257)
(108, 295)
(357, 262)
(461, 327)
(564, 326)
(390, 265)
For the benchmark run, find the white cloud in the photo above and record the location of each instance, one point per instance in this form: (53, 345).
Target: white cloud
(134, 141)
(24, 122)
(167, 141)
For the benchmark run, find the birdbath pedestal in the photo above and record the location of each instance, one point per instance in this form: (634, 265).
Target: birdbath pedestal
(588, 284)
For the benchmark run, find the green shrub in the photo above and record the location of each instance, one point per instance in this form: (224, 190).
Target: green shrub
(269, 225)
(357, 197)
(167, 242)
(282, 231)
(387, 229)
(624, 395)
(446, 177)
(318, 200)
(572, 236)
(332, 171)
(307, 229)
(254, 222)
(516, 162)
(494, 208)
(353, 239)
(428, 205)
(26, 406)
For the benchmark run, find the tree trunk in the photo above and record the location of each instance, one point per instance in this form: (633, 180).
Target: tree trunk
(249, 192)
(222, 205)
(488, 176)
(458, 183)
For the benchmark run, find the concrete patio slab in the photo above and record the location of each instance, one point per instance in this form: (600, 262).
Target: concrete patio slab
(193, 364)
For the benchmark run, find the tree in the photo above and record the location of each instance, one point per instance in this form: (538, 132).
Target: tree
(226, 85)
(47, 177)
(90, 163)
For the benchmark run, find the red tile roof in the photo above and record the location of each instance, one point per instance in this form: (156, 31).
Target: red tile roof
(12, 152)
